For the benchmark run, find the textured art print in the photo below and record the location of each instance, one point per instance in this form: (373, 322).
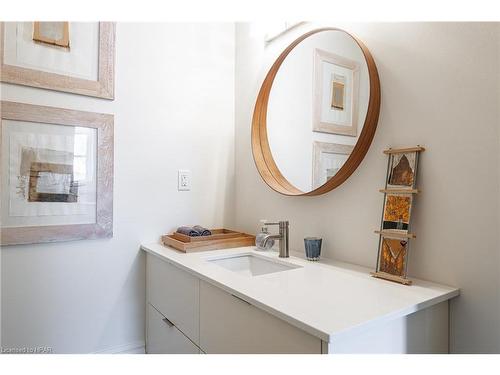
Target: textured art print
(52, 174)
(397, 212)
(338, 92)
(52, 33)
(402, 169)
(52, 183)
(393, 256)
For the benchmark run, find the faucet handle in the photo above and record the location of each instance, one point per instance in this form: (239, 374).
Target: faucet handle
(283, 225)
(281, 222)
(272, 223)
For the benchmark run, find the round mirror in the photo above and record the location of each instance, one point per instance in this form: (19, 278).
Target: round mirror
(316, 113)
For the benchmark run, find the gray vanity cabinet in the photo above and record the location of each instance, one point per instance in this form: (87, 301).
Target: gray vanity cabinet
(188, 315)
(229, 324)
(165, 337)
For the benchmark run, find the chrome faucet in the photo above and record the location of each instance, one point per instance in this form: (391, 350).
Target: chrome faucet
(282, 237)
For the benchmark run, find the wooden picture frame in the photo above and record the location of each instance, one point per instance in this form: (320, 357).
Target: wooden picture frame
(102, 88)
(337, 87)
(320, 148)
(19, 115)
(261, 150)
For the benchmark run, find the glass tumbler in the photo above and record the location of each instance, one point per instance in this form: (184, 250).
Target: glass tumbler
(313, 247)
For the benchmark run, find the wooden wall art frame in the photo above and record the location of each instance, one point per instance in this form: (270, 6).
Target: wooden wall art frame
(395, 274)
(103, 123)
(260, 144)
(102, 88)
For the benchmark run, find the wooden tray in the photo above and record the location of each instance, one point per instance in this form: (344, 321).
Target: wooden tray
(213, 242)
(216, 235)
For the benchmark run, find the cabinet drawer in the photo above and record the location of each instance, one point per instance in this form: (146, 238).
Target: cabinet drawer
(164, 338)
(231, 325)
(175, 294)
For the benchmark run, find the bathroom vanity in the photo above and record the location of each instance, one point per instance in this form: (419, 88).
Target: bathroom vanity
(310, 131)
(246, 301)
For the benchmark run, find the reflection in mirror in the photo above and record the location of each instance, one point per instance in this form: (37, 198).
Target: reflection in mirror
(317, 107)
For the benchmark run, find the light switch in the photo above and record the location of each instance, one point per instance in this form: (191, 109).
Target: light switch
(184, 180)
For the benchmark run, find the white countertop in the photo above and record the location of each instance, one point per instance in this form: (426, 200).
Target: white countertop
(326, 299)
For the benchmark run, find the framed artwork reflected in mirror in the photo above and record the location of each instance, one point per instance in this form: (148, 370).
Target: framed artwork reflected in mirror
(328, 158)
(336, 94)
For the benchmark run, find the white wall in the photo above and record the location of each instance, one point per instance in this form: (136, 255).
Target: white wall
(174, 109)
(440, 88)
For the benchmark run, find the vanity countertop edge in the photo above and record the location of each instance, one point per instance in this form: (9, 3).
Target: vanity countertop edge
(331, 313)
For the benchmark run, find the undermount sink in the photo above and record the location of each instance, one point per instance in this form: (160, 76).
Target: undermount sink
(251, 264)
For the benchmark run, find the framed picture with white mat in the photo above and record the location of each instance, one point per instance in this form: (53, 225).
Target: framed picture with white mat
(75, 57)
(56, 174)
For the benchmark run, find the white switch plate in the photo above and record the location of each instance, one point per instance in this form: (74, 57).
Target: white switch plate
(184, 180)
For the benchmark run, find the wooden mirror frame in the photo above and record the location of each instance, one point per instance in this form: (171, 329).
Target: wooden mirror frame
(262, 155)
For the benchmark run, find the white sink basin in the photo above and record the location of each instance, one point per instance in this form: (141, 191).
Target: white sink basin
(249, 264)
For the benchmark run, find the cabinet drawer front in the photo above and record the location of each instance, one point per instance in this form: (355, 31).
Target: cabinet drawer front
(231, 325)
(175, 294)
(164, 338)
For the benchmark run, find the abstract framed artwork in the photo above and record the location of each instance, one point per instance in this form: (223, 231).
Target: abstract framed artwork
(336, 94)
(328, 158)
(75, 57)
(397, 211)
(399, 192)
(393, 256)
(402, 170)
(57, 174)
